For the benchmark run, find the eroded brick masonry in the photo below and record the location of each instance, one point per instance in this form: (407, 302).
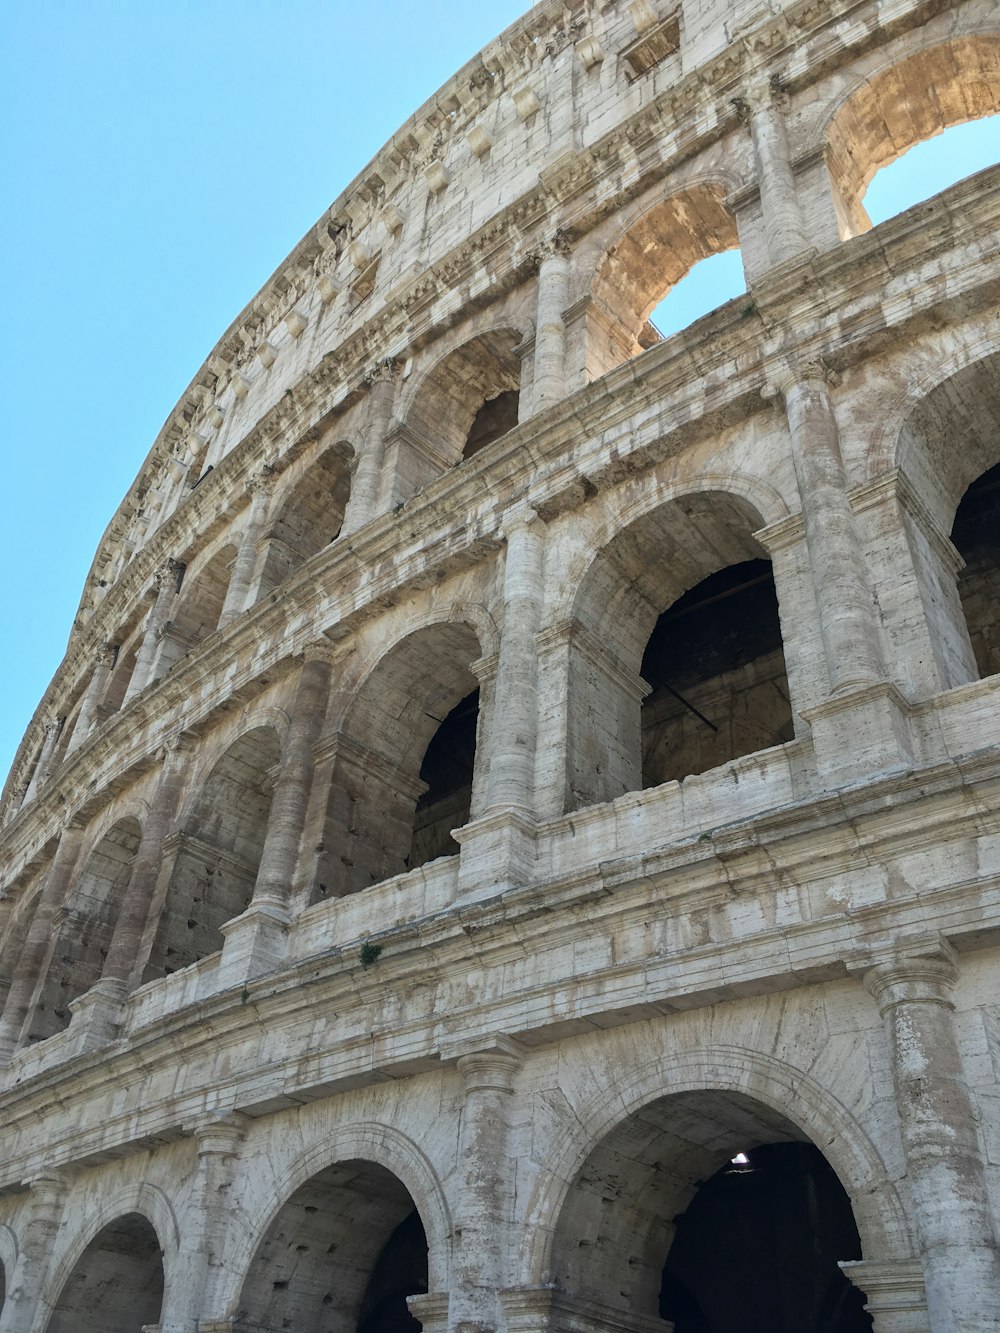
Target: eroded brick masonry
(513, 843)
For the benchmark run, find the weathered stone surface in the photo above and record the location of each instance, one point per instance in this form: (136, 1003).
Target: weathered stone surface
(520, 794)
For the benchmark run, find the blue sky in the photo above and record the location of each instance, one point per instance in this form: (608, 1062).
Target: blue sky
(166, 156)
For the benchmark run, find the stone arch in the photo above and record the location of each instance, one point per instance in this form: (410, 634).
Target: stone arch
(784, 1091)
(213, 858)
(128, 641)
(655, 248)
(370, 1142)
(141, 1200)
(308, 514)
(84, 926)
(876, 120)
(197, 607)
(466, 399)
(8, 1258)
(393, 704)
(678, 551)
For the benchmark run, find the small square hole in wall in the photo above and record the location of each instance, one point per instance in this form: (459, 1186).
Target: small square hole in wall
(653, 47)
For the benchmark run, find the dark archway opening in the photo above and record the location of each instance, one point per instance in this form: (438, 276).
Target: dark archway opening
(343, 1253)
(716, 669)
(117, 1286)
(447, 770)
(495, 418)
(756, 1249)
(976, 536)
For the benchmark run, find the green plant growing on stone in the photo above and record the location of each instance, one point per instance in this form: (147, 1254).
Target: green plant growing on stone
(370, 954)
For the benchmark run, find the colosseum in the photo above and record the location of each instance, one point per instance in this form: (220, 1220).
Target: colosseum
(404, 925)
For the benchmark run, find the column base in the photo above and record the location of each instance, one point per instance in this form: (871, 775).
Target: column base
(894, 1294)
(98, 1016)
(256, 943)
(498, 852)
(861, 734)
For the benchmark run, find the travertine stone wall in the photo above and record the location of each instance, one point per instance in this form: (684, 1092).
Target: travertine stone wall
(274, 1053)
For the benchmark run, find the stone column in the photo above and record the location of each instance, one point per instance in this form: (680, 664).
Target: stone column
(843, 594)
(779, 199)
(255, 939)
(944, 1161)
(242, 579)
(52, 730)
(96, 690)
(367, 482)
(549, 381)
(26, 1283)
(193, 1290)
(515, 722)
(25, 981)
(124, 963)
(165, 580)
(483, 1208)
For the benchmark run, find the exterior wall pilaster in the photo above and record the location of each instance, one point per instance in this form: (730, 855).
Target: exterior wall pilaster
(367, 482)
(192, 1291)
(255, 940)
(550, 328)
(29, 972)
(95, 692)
(483, 1207)
(165, 581)
(26, 1284)
(41, 772)
(782, 212)
(940, 1137)
(243, 579)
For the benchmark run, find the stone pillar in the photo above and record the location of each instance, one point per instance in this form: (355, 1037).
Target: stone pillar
(843, 594)
(27, 973)
(513, 729)
(242, 580)
(944, 1161)
(96, 690)
(165, 580)
(124, 963)
(26, 1283)
(894, 1293)
(255, 939)
(41, 773)
(193, 1290)
(367, 482)
(483, 1207)
(549, 381)
(779, 199)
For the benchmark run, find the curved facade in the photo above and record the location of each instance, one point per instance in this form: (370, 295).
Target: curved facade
(513, 843)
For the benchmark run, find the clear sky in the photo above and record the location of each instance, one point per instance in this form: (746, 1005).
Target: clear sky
(160, 158)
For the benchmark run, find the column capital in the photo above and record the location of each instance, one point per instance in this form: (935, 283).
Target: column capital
(782, 378)
(322, 650)
(522, 518)
(261, 480)
(492, 1065)
(219, 1135)
(382, 372)
(167, 570)
(556, 246)
(923, 971)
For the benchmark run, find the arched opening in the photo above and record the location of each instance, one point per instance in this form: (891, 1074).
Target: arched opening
(117, 1285)
(652, 258)
(123, 665)
(403, 774)
(958, 491)
(217, 854)
(309, 519)
(712, 1211)
(708, 284)
(944, 85)
(196, 610)
(468, 400)
(84, 929)
(716, 671)
(932, 166)
(16, 933)
(3, 1287)
(340, 1256)
(976, 537)
(675, 657)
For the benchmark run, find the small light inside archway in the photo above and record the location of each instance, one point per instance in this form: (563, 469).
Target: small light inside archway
(741, 1159)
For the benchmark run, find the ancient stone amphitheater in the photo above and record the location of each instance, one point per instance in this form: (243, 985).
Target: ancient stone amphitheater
(513, 843)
